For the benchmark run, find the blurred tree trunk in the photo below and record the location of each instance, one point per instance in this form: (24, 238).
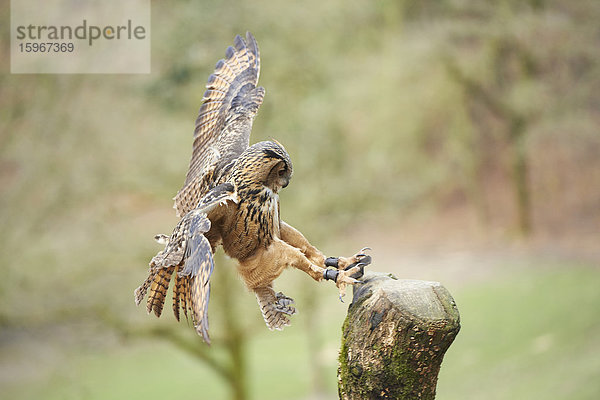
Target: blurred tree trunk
(520, 172)
(394, 338)
(516, 124)
(234, 337)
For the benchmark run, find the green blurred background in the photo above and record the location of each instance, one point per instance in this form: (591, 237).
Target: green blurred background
(459, 139)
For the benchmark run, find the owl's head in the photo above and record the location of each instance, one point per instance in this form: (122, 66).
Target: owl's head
(264, 164)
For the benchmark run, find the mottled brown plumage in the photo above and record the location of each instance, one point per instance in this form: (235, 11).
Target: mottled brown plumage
(230, 198)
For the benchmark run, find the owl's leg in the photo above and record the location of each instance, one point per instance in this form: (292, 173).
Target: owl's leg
(275, 307)
(293, 237)
(259, 272)
(264, 267)
(267, 265)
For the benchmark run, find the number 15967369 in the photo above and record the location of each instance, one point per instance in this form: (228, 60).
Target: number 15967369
(47, 47)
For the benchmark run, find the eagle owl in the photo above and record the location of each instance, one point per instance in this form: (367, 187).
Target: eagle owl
(230, 198)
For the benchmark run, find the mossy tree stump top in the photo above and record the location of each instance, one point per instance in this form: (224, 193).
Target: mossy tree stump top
(394, 338)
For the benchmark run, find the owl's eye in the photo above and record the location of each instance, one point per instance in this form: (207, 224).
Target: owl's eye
(281, 172)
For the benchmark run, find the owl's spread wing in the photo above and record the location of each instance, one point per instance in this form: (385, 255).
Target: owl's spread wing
(198, 268)
(224, 121)
(190, 253)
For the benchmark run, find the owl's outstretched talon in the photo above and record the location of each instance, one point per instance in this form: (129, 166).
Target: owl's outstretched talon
(344, 278)
(362, 252)
(361, 264)
(345, 263)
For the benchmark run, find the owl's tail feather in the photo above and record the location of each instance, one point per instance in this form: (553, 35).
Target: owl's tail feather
(158, 290)
(275, 307)
(181, 296)
(141, 291)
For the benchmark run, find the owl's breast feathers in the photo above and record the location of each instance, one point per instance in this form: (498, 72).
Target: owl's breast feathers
(254, 224)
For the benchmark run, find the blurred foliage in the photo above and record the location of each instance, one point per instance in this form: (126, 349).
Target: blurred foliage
(364, 98)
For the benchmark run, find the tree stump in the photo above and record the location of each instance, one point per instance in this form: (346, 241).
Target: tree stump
(394, 338)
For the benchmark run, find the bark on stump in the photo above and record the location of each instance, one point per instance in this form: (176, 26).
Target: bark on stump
(394, 338)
